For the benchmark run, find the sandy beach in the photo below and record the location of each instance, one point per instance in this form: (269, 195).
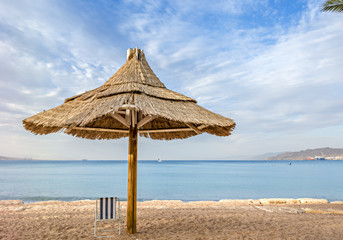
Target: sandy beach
(226, 219)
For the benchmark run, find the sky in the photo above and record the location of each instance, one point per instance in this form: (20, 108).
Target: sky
(274, 67)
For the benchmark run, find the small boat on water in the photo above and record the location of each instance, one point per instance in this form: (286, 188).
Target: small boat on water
(159, 160)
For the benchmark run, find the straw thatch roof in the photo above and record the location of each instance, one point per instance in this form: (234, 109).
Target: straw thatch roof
(133, 95)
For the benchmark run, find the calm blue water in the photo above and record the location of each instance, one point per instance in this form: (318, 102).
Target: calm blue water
(185, 180)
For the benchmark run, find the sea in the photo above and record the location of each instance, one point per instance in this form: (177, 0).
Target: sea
(33, 181)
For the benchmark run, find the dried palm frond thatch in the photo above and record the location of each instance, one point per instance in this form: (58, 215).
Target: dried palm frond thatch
(133, 95)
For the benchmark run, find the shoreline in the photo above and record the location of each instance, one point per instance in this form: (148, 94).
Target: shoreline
(262, 201)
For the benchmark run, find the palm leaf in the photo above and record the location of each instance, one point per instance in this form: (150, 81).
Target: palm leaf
(333, 6)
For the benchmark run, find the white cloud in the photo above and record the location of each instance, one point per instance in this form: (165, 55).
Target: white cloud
(47, 55)
(289, 85)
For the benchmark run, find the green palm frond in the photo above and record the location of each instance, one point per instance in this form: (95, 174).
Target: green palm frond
(333, 6)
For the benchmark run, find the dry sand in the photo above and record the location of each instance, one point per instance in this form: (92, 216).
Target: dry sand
(227, 219)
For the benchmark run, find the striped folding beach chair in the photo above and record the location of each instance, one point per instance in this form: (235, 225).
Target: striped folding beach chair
(107, 213)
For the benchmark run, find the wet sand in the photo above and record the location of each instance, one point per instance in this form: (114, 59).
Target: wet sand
(227, 219)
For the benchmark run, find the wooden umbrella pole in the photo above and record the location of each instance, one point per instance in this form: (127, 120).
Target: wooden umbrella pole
(132, 181)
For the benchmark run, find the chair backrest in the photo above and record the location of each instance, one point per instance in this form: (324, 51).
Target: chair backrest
(107, 208)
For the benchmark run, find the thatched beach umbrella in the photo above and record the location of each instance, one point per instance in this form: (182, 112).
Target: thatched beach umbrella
(133, 101)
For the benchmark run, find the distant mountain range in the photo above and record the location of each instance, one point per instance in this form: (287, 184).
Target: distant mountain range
(13, 158)
(310, 154)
